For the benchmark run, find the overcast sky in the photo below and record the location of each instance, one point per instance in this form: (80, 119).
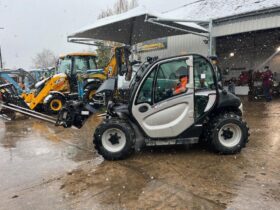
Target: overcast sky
(32, 25)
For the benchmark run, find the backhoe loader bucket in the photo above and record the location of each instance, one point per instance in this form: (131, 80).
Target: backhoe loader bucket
(9, 94)
(11, 102)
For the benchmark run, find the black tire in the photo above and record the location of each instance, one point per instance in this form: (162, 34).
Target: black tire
(102, 143)
(232, 138)
(89, 89)
(51, 107)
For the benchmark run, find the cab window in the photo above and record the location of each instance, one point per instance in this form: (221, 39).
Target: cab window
(80, 65)
(64, 65)
(172, 79)
(204, 82)
(203, 74)
(146, 92)
(92, 63)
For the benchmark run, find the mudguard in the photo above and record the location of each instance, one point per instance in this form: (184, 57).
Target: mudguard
(51, 95)
(227, 99)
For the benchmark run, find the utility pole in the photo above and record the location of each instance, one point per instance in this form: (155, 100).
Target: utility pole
(1, 62)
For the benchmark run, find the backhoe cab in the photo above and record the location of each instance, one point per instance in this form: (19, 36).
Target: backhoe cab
(84, 77)
(175, 100)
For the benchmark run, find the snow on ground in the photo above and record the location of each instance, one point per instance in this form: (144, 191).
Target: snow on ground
(213, 9)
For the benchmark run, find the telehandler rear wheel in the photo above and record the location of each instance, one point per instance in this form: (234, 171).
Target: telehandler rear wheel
(228, 133)
(114, 139)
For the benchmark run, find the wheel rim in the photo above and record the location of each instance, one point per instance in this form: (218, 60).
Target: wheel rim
(56, 105)
(113, 140)
(91, 94)
(230, 135)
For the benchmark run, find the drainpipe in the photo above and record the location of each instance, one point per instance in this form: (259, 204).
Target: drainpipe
(212, 41)
(1, 62)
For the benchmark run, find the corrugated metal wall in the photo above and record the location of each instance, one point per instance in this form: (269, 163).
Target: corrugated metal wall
(246, 24)
(178, 45)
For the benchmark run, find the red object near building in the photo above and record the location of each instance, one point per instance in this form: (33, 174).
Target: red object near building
(243, 78)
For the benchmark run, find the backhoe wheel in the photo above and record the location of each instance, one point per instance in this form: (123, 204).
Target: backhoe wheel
(228, 133)
(90, 92)
(55, 104)
(114, 139)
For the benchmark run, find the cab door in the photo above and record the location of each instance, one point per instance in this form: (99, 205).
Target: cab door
(160, 107)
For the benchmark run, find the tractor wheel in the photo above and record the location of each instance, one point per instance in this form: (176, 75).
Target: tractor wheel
(55, 104)
(114, 139)
(90, 91)
(228, 133)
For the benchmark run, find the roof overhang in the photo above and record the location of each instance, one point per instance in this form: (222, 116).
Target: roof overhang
(135, 26)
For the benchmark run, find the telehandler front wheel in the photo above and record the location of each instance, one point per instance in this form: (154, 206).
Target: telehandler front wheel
(55, 104)
(228, 133)
(114, 139)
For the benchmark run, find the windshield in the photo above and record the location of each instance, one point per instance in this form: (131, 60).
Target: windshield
(64, 65)
(138, 74)
(80, 64)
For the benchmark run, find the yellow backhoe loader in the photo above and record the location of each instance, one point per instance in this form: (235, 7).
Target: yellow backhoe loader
(76, 77)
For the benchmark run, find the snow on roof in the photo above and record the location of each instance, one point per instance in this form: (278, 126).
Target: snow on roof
(138, 11)
(95, 30)
(214, 9)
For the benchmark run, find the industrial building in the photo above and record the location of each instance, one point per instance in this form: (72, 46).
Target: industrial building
(246, 34)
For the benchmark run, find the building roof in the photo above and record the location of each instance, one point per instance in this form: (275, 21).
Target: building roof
(78, 54)
(135, 26)
(215, 9)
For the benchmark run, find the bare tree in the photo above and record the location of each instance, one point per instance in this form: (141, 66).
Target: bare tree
(105, 13)
(133, 4)
(44, 59)
(120, 6)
